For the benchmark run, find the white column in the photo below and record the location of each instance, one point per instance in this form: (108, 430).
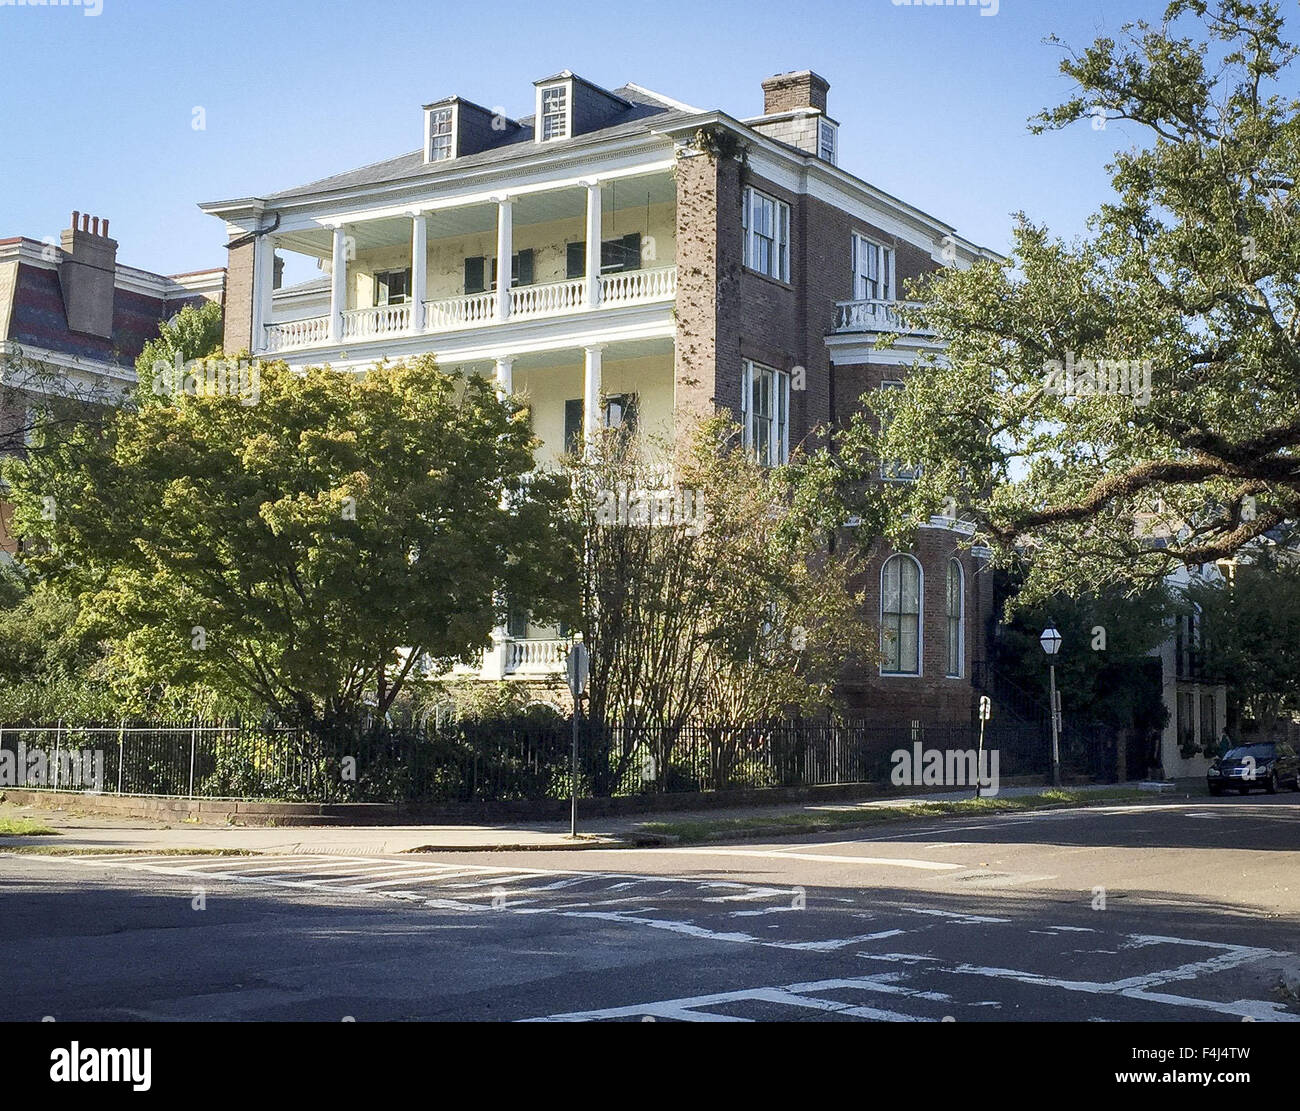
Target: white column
(505, 252)
(419, 269)
(338, 284)
(593, 244)
(591, 414)
(263, 287)
(505, 377)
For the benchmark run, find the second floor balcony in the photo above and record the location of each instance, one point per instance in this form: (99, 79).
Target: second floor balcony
(475, 310)
(451, 267)
(875, 316)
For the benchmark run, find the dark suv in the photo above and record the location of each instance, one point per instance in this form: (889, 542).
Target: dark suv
(1269, 765)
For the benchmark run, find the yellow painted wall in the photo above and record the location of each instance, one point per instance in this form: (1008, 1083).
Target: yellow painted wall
(548, 241)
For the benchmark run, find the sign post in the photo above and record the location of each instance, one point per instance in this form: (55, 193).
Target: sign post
(986, 711)
(578, 669)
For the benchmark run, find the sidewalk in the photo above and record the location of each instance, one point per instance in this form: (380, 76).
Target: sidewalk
(97, 833)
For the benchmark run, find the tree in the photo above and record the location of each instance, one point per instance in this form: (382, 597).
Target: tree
(704, 600)
(1148, 372)
(1251, 629)
(193, 333)
(309, 546)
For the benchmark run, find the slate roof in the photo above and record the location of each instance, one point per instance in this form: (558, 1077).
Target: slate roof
(645, 114)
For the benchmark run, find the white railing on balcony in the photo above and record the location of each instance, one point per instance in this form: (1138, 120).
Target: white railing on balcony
(548, 299)
(632, 287)
(309, 332)
(459, 312)
(541, 657)
(475, 310)
(873, 316)
(386, 320)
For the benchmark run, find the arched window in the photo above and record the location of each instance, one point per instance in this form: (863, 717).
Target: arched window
(956, 606)
(900, 615)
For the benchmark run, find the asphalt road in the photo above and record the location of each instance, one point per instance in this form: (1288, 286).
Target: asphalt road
(1166, 912)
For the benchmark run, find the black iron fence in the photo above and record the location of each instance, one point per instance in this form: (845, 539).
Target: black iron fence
(508, 760)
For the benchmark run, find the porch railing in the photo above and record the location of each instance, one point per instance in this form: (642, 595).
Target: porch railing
(476, 310)
(544, 657)
(386, 320)
(874, 316)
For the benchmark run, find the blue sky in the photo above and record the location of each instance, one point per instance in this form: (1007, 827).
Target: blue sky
(97, 112)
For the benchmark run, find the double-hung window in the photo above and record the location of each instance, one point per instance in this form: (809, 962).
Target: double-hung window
(900, 616)
(766, 223)
(765, 413)
(826, 141)
(441, 135)
(956, 604)
(892, 470)
(554, 115)
(873, 270)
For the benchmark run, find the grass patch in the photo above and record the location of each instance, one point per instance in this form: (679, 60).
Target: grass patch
(828, 821)
(24, 827)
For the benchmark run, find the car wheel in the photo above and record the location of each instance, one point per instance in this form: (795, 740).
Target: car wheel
(1270, 784)
(1295, 783)
(1216, 790)
(1244, 789)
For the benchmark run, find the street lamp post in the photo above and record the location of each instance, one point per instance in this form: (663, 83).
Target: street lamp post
(1051, 642)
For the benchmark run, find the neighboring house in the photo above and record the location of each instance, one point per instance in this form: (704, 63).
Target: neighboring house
(72, 322)
(664, 261)
(1197, 708)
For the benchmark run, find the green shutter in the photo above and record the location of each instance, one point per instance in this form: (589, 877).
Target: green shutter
(524, 267)
(474, 275)
(575, 260)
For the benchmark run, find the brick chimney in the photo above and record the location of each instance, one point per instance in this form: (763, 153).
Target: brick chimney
(797, 89)
(87, 275)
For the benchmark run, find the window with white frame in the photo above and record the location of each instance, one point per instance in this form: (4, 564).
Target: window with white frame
(826, 136)
(765, 413)
(956, 605)
(553, 116)
(442, 139)
(900, 616)
(873, 270)
(766, 223)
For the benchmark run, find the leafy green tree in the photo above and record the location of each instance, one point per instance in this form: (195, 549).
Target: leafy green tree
(306, 548)
(193, 333)
(1251, 638)
(704, 600)
(1188, 281)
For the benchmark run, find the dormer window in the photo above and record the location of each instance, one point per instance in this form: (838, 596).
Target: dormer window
(553, 112)
(442, 134)
(827, 134)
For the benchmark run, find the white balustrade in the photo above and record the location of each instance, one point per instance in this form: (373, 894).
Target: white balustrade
(459, 312)
(632, 287)
(547, 299)
(872, 316)
(537, 656)
(385, 320)
(311, 331)
(475, 310)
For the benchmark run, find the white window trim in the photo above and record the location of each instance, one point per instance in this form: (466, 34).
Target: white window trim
(454, 109)
(961, 617)
(750, 235)
(883, 248)
(567, 86)
(782, 379)
(920, 618)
